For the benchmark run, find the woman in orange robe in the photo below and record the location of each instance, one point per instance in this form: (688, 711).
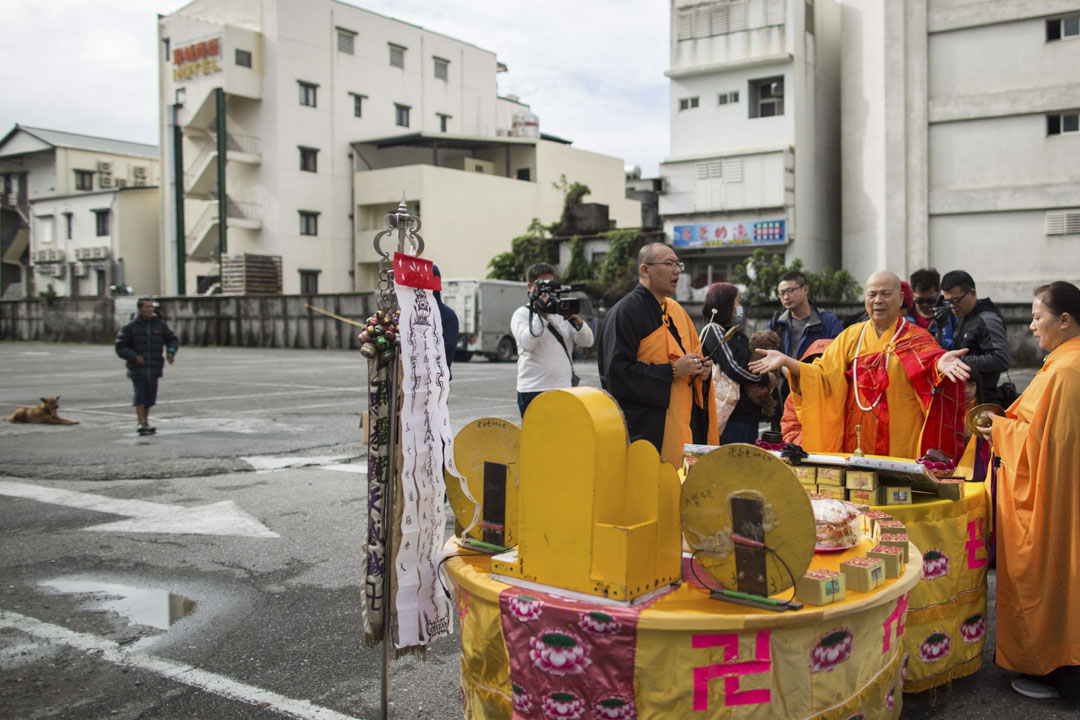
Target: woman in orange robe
(1038, 539)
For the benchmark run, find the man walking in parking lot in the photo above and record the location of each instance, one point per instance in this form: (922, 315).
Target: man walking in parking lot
(141, 343)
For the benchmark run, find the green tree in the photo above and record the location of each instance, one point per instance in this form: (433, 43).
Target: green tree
(578, 269)
(525, 250)
(760, 274)
(617, 274)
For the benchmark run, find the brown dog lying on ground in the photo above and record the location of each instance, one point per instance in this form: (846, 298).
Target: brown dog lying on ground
(45, 413)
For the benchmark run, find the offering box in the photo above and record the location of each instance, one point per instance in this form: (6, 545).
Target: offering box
(863, 573)
(897, 495)
(807, 474)
(871, 518)
(829, 491)
(830, 476)
(888, 527)
(821, 587)
(868, 497)
(899, 540)
(893, 557)
(861, 480)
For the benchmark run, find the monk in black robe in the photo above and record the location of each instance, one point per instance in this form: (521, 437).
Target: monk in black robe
(650, 361)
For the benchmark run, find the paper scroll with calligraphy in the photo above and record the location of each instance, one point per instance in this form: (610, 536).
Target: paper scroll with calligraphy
(423, 611)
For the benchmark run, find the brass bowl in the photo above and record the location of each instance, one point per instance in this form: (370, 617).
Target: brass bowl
(979, 416)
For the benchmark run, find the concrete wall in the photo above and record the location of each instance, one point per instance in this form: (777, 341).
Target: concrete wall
(248, 320)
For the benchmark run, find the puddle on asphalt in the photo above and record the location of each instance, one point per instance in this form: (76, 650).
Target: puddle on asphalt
(156, 608)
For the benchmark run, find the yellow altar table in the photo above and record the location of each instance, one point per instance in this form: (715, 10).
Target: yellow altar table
(946, 624)
(534, 655)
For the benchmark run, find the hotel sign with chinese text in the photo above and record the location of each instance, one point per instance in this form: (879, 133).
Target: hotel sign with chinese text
(757, 232)
(199, 58)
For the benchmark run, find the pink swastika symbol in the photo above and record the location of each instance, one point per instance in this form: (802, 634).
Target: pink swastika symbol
(730, 671)
(973, 544)
(896, 616)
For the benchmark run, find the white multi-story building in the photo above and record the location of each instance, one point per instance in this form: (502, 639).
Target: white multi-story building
(755, 129)
(324, 114)
(85, 207)
(961, 145)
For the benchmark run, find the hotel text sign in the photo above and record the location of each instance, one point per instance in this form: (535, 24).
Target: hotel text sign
(199, 58)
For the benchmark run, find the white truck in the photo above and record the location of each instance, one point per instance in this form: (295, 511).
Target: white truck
(484, 308)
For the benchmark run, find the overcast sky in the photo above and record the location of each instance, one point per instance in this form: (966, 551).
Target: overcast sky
(592, 70)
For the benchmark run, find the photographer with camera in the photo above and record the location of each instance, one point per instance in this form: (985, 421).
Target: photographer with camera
(932, 313)
(546, 330)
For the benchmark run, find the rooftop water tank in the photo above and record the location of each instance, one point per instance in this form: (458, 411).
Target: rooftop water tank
(526, 124)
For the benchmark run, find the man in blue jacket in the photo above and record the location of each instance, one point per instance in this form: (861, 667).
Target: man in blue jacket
(801, 322)
(798, 326)
(140, 343)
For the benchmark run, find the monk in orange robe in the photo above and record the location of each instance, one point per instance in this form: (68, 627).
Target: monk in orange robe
(1038, 539)
(650, 361)
(883, 385)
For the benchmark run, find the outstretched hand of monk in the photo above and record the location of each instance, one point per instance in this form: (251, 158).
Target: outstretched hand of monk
(772, 360)
(951, 366)
(987, 431)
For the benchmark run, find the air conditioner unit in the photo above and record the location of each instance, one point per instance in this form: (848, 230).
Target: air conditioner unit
(35, 256)
(58, 270)
(105, 180)
(56, 255)
(104, 167)
(80, 270)
(80, 253)
(44, 270)
(140, 182)
(140, 171)
(101, 252)
(120, 182)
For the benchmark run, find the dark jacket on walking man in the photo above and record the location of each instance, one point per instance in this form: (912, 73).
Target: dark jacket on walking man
(141, 343)
(980, 329)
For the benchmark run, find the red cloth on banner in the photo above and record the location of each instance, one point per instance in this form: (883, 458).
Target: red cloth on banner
(415, 272)
(569, 658)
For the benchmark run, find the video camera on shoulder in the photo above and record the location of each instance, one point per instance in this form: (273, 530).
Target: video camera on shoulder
(556, 303)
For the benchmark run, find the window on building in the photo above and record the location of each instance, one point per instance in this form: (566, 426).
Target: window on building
(524, 174)
(165, 47)
(1063, 223)
(309, 282)
(1059, 123)
(309, 159)
(688, 102)
(101, 222)
(721, 17)
(243, 58)
(809, 17)
(442, 69)
(68, 224)
(84, 180)
(46, 228)
(102, 282)
(346, 39)
(307, 93)
(358, 104)
(397, 56)
(444, 121)
(1063, 28)
(767, 97)
(309, 222)
(401, 115)
(728, 98)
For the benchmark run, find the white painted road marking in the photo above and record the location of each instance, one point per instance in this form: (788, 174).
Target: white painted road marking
(274, 462)
(171, 669)
(222, 518)
(360, 468)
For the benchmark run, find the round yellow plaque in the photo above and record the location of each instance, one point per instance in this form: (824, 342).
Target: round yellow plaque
(786, 518)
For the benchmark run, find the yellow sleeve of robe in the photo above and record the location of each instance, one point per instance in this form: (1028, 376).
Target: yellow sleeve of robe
(1038, 541)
